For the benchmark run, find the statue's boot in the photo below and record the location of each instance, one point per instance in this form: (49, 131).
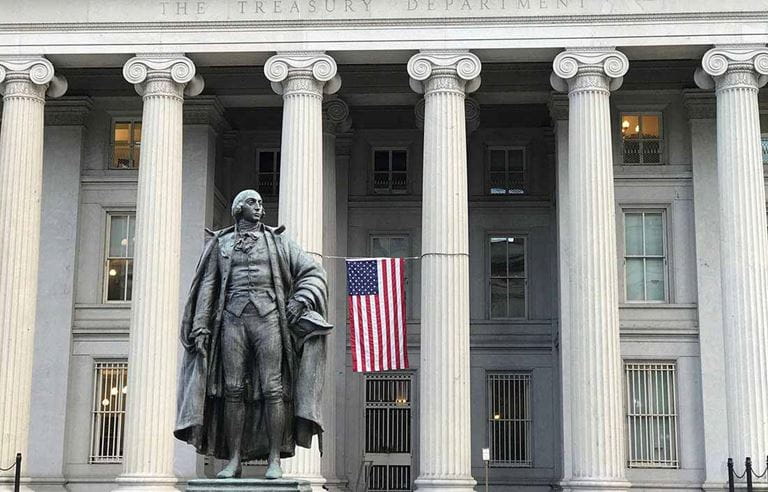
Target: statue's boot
(274, 470)
(232, 470)
(234, 416)
(276, 422)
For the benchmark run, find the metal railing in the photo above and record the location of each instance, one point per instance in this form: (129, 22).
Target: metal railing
(749, 474)
(17, 477)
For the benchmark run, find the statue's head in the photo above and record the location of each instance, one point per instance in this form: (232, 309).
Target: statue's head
(248, 206)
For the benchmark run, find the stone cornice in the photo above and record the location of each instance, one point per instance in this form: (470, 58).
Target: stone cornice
(33, 69)
(465, 66)
(700, 104)
(143, 69)
(68, 111)
(585, 68)
(336, 116)
(283, 67)
(205, 110)
(731, 65)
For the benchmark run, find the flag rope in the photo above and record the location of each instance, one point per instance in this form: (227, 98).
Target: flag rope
(404, 257)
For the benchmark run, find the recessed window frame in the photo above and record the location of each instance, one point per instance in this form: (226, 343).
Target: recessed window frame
(406, 274)
(105, 289)
(664, 256)
(526, 421)
(98, 450)
(641, 141)
(275, 183)
(489, 277)
(132, 144)
(507, 173)
(390, 190)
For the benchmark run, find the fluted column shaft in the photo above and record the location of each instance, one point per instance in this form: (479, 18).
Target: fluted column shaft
(150, 405)
(737, 73)
(444, 404)
(594, 362)
(23, 83)
(302, 79)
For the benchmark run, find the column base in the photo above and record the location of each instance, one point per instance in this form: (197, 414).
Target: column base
(596, 485)
(144, 483)
(448, 484)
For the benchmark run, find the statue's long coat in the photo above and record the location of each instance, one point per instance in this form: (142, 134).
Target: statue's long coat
(200, 399)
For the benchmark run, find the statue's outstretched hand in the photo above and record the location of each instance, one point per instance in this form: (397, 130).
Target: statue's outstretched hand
(201, 344)
(294, 311)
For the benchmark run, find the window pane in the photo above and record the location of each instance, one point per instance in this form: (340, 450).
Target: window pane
(398, 247)
(498, 162)
(654, 269)
(399, 181)
(266, 162)
(630, 126)
(517, 298)
(516, 183)
(136, 156)
(117, 272)
(631, 152)
(122, 157)
(654, 241)
(129, 280)
(118, 236)
(516, 254)
(137, 132)
(123, 133)
(498, 257)
(515, 157)
(380, 247)
(498, 183)
(131, 235)
(633, 235)
(380, 181)
(381, 160)
(399, 160)
(635, 279)
(651, 150)
(498, 298)
(650, 126)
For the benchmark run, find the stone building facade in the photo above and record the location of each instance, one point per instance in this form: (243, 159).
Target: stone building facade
(580, 183)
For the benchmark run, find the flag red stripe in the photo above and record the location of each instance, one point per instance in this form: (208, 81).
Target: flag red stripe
(382, 318)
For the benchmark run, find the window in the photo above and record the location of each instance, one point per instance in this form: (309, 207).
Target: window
(509, 419)
(110, 388)
(645, 255)
(126, 144)
(651, 410)
(121, 231)
(764, 136)
(507, 171)
(268, 180)
(388, 431)
(390, 171)
(390, 246)
(507, 277)
(641, 138)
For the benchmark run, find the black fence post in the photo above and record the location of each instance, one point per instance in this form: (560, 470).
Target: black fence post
(17, 479)
(730, 475)
(748, 473)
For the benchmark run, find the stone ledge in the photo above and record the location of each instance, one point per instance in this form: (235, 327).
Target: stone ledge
(248, 484)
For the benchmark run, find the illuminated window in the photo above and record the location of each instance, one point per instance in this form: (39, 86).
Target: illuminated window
(645, 258)
(651, 410)
(509, 419)
(126, 144)
(390, 171)
(121, 232)
(507, 277)
(110, 388)
(641, 136)
(268, 175)
(507, 171)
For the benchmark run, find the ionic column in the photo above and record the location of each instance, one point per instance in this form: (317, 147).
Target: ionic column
(162, 81)
(592, 367)
(737, 72)
(302, 78)
(24, 81)
(444, 432)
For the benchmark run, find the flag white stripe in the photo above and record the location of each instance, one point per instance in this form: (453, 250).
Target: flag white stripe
(391, 326)
(375, 330)
(359, 339)
(400, 320)
(364, 328)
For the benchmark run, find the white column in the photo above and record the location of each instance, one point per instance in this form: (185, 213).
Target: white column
(162, 81)
(302, 79)
(24, 81)
(593, 373)
(737, 72)
(444, 432)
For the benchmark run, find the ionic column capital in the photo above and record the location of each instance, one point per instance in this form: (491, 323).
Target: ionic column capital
(336, 116)
(171, 74)
(588, 69)
(30, 76)
(730, 66)
(303, 72)
(444, 71)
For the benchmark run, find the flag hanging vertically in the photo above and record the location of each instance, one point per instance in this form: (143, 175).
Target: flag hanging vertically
(376, 301)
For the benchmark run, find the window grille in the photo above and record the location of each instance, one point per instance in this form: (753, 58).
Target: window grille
(110, 387)
(507, 171)
(121, 232)
(388, 431)
(651, 409)
(126, 144)
(645, 259)
(268, 181)
(764, 136)
(641, 138)
(390, 171)
(509, 419)
(508, 279)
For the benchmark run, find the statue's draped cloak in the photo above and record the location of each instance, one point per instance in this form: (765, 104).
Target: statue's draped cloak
(200, 399)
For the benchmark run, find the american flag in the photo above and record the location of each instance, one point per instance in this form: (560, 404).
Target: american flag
(376, 301)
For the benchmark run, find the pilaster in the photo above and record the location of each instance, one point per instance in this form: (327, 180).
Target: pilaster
(444, 409)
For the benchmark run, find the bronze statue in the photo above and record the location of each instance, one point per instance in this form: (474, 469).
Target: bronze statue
(254, 332)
